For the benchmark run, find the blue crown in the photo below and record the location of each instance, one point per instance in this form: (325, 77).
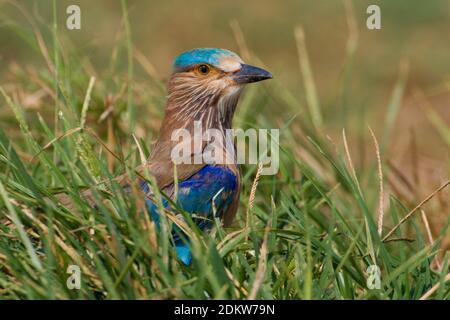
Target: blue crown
(211, 56)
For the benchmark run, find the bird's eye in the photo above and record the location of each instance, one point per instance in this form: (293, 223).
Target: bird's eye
(203, 69)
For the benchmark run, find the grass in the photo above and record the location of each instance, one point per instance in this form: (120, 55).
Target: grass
(309, 232)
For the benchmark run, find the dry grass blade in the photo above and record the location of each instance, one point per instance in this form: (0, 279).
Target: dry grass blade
(428, 198)
(109, 108)
(415, 163)
(236, 283)
(141, 152)
(429, 235)
(86, 101)
(50, 143)
(434, 288)
(252, 196)
(230, 236)
(260, 272)
(380, 179)
(350, 162)
(427, 226)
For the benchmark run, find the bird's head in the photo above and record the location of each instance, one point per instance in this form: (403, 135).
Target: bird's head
(206, 84)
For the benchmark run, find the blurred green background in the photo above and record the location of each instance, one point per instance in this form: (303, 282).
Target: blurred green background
(418, 30)
(415, 30)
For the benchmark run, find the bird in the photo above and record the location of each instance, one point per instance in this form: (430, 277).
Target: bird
(204, 88)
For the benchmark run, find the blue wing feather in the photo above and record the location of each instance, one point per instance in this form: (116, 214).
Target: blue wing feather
(210, 191)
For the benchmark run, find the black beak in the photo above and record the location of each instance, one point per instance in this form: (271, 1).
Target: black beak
(248, 74)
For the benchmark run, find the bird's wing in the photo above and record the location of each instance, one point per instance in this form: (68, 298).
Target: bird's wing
(207, 194)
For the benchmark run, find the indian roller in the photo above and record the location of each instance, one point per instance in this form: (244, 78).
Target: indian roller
(204, 88)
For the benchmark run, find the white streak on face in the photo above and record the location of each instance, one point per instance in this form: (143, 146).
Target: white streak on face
(230, 64)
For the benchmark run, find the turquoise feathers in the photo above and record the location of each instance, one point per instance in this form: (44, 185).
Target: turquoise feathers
(210, 56)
